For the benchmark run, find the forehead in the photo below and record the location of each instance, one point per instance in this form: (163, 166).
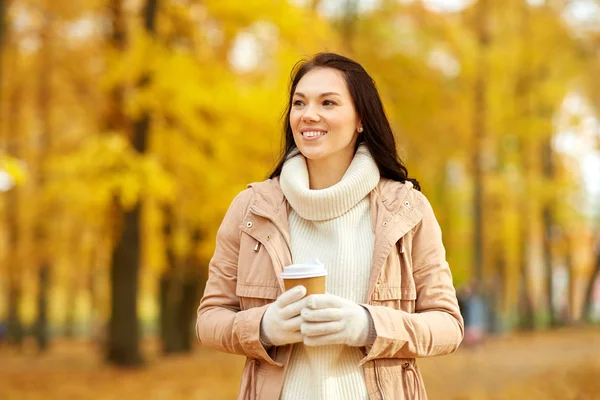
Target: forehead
(321, 80)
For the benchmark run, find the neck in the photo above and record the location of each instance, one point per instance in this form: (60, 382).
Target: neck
(336, 187)
(327, 172)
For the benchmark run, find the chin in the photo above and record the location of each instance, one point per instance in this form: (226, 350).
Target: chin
(313, 154)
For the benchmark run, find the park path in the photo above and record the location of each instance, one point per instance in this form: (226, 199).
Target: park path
(75, 370)
(513, 360)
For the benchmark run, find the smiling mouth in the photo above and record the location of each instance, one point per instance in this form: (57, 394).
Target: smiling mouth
(313, 133)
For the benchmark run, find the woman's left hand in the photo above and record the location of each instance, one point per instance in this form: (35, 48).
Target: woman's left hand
(330, 319)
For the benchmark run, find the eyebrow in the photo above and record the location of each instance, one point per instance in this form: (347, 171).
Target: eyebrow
(321, 95)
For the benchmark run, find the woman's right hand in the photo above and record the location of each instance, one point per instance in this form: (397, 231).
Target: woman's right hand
(281, 322)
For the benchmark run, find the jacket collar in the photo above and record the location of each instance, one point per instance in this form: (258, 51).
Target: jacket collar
(269, 201)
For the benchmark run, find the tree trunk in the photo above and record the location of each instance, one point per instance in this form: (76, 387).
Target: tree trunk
(15, 332)
(181, 288)
(41, 225)
(193, 290)
(14, 327)
(570, 314)
(480, 134)
(494, 297)
(71, 295)
(179, 301)
(526, 313)
(589, 292)
(548, 264)
(548, 171)
(170, 291)
(95, 322)
(170, 300)
(3, 25)
(187, 317)
(124, 331)
(41, 329)
(528, 200)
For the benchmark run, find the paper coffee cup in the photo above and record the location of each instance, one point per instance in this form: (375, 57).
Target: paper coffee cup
(312, 275)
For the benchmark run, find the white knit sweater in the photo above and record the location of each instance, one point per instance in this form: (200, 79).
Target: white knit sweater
(334, 226)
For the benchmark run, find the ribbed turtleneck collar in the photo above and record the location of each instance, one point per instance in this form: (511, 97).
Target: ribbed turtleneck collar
(318, 205)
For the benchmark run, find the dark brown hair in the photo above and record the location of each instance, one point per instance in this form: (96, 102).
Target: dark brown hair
(377, 134)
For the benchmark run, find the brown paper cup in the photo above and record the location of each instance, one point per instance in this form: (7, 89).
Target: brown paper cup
(313, 285)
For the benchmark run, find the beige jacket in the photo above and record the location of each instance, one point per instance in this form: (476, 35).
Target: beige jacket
(411, 297)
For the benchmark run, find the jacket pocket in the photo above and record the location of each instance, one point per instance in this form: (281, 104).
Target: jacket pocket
(251, 296)
(401, 379)
(253, 379)
(399, 298)
(255, 267)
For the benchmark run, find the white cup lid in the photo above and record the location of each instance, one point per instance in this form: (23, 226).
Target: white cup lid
(309, 269)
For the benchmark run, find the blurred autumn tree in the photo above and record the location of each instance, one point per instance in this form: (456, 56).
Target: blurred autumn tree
(480, 100)
(128, 127)
(590, 38)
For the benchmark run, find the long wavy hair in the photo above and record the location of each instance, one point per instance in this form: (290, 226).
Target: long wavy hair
(377, 133)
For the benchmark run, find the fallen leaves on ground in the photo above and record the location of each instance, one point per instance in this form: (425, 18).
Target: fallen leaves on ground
(562, 364)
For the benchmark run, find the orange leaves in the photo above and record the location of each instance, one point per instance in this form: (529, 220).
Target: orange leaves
(540, 366)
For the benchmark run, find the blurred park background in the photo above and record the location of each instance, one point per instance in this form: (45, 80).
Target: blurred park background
(128, 126)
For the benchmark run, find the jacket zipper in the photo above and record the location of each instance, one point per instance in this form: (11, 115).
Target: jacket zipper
(377, 380)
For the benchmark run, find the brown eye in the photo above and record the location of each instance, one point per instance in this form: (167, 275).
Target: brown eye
(297, 103)
(328, 103)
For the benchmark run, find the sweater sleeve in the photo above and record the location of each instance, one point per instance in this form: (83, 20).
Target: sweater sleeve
(436, 327)
(221, 325)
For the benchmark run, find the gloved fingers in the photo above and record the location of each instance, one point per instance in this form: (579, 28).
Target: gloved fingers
(293, 309)
(322, 315)
(287, 338)
(318, 301)
(323, 340)
(294, 337)
(291, 296)
(293, 324)
(321, 328)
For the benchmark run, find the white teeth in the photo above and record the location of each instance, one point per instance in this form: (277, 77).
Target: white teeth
(313, 133)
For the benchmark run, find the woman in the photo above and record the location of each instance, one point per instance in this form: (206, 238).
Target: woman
(339, 194)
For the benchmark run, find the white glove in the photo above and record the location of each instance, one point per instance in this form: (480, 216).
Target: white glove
(330, 319)
(281, 322)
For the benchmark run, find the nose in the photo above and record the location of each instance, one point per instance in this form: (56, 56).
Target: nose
(311, 114)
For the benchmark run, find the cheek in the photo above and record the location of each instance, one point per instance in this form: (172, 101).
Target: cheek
(294, 119)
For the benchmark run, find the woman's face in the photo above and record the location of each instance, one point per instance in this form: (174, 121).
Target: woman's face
(323, 117)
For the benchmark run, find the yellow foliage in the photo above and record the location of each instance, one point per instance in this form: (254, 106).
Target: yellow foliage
(214, 127)
(17, 169)
(107, 166)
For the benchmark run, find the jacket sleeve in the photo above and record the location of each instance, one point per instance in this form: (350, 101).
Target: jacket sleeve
(436, 327)
(221, 325)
